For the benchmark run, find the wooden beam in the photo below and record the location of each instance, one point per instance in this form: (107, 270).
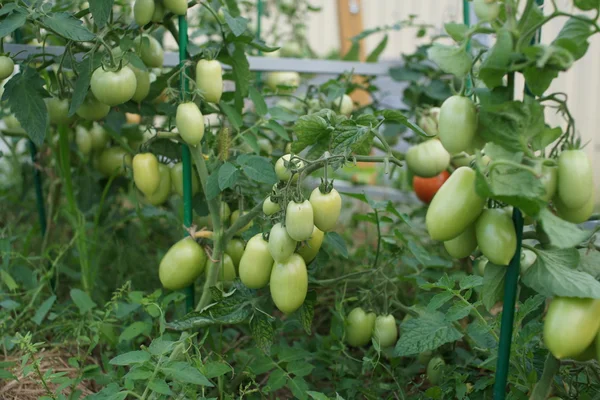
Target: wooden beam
(351, 24)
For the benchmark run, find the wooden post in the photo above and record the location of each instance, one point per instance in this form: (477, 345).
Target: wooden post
(351, 24)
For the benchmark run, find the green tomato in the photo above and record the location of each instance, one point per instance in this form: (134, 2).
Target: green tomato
(385, 331)
(549, 179)
(177, 7)
(234, 217)
(83, 140)
(496, 236)
(145, 173)
(424, 357)
(99, 136)
(428, 159)
(256, 263)
(283, 82)
(190, 123)
(289, 284)
(281, 245)
(343, 104)
(575, 215)
(91, 109)
(13, 123)
(270, 207)
(182, 264)
(486, 10)
(164, 187)
(299, 220)
(150, 50)
(571, 325)
(479, 265)
(112, 161)
(225, 212)
(359, 327)
(575, 181)
(454, 207)
(209, 79)
(428, 121)
(326, 208)
(435, 370)
(143, 84)
(463, 245)
(312, 246)
(113, 87)
(265, 146)
(177, 180)
(227, 270)
(458, 123)
(7, 66)
(58, 111)
(528, 257)
(159, 11)
(284, 168)
(462, 159)
(235, 249)
(143, 10)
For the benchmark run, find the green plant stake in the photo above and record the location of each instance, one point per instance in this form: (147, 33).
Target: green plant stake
(185, 151)
(467, 22)
(510, 289)
(259, 11)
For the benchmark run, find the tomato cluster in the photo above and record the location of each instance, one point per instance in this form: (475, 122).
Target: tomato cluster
(361, 327)
(457, 214)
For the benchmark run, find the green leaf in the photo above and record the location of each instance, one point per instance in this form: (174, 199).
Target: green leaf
(352, 138)
(228, 175)
(426, 258)
(510, 124)
(573, 37)
(404, 74)
(259, 102)
(456, 31)
(8, 280)
(257, 168)
(137, 328)
(554, 274)
(451, 59)
(495, 65)
(311, 128)
(426, 333)
(493, 97)
(458, 311)
(299, 388)
(85, 69)
(214, 369)
(133, 357)
(587, 5)
(470, 281)
(159, 385)
(497, 152)
(238, 25)
(589, 261)
(278, 129)
(282, 114)
(353, 53)
(233, 116)
(538, 80)
(160, 346)
(24, 93)
(82, 300)
(514, 186)
(68, 26)
(183, 372)
(545, 138)
(493, 284)
(9, 304)
(480, 333)
(335, 244)
(439, 300)
(317, 395)
(212, 186)
(277, 380)
(100, 10)
(262, 330)
(299, 368)
(562, 234)
(397, 117)
(43, 310)
(11, 23)
(374, 56)
(306, 312)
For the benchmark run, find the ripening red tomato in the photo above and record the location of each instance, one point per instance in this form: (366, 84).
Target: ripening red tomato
(426, 188)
